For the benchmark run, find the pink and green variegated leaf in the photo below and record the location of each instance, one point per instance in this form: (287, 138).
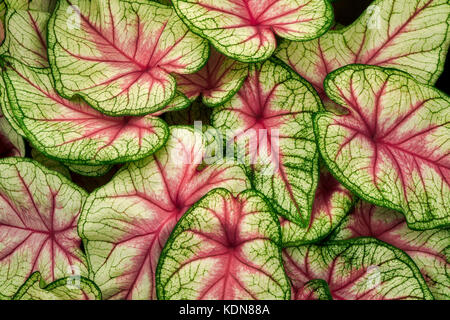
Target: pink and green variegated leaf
(196, 112)
(392, 148)
(126, 223)
(331, 205)
(429, 249)
(245, 29)
(270, 121)
(70, 130)
(123, 56)
(68, 288)
(26, 37)
(224, 248)
(410, 35)
(316, 289)
(39, 209)
(35, 5)
(357, 269)
(216, 82)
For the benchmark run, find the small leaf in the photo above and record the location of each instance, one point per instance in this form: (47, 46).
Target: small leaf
(69, 288)
(39, 210)
(245, 30)
(120, 56)
(316, 289)
(430, 249)
(126, 223)
(217, 81)
(392, 148)
(224, 248)
(359, 269)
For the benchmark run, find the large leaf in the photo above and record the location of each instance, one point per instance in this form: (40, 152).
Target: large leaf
(410, 35)
(270, 119)
(39, 209)
(70, 130)
(360, 269)
(217, 81)
(429, 249)
(122, 56)
(392, 148)
(245, 29)
(69, 288)
(331, 204)
(224, 248)
(126, 223)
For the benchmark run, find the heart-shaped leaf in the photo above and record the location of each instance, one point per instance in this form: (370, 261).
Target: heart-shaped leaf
(331, 204)
(70, 130)
(120, 56)
(224, 248)
(217, 81)
(270, 120)
(245, 29)
(39, 209)
(357, 269)
(126, 223)
(69, 288)
(392, 147)
(410, 35)
(429, 249)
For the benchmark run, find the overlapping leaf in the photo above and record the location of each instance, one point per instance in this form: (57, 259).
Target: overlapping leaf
(39, 210)
(35, 5)
(224, 248)
(126, 223)
(430, 249)
(196, 112)
(119, 55)
(393, 146)
(270, 119)
(70, 130)
(360, 269)
(217, 81)
(245, 29)
(331, 204)
(68, 288)
(2, 20)
(11, 144)
(410, 35)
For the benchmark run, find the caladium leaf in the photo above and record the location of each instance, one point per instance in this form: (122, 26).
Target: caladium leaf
(11, 143)
(50, 163)
(128, 55)
(357, 269)
(90, 171)
(392, 148)
(196, 112)
(331, 204)
(390, 33)
(270, 121)
(429, 249)
(217, 81)
(35, 5)
(68, 288)
(245, 30)
(126, 223)
(70, 130)
(316, 289)
(39, 209)
(224, 248)
(26, 37)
